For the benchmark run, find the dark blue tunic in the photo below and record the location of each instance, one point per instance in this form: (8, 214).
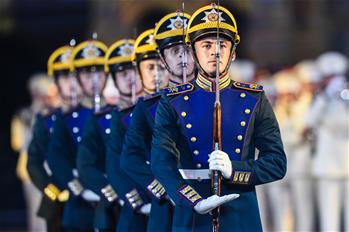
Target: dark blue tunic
(182, 140)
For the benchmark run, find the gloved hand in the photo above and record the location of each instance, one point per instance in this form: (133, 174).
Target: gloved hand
(145, 209)
(52, 192)
(212, 202)
(219, 161)
(88, 195)
(75, 186)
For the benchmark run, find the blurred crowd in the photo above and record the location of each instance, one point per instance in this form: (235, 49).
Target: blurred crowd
(311, 103)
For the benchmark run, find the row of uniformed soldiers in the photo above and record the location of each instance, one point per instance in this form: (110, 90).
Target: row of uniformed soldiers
(145, 164)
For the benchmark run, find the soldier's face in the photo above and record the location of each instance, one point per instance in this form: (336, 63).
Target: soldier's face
(174, 58)
(124, 81)
(148, 69)
(87, 80)
(205, 49)
(68, 86)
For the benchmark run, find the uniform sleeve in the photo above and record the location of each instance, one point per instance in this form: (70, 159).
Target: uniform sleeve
(165, 156)
(61, 155)
(133, 158)
(271, 162)
(123, 185)
(36, 155)
(90, 155)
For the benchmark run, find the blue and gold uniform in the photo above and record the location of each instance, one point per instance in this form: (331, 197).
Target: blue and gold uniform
(53, 193)
(68, 130)
(134, 197)
(91, 160)
(136, 155)
(183, 138)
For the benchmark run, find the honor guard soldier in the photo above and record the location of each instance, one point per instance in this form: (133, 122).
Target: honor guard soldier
(53, 194)
(169, 37)
(88, 62)
(184, 135)
(147, 61)
(91, 154)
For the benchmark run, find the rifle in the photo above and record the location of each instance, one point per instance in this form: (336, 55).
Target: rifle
(74, 86)
(96, 96)
(216, 176)
(184, 56)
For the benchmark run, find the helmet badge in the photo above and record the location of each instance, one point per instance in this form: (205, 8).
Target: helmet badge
(213, 16)
(65, 56)
(125, 50)
(177, 23)
(91, 52)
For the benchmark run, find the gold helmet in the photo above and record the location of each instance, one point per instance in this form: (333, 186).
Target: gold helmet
(145, 47)
(60, 61)
(171, 29)
(206, 20)
(90, 53)
(119, 56)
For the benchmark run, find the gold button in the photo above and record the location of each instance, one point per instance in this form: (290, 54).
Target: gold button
(198, 165)
(242, 95)
(188, 126)
(243, 123)
(237, 150)
(193, 139)
(186, 98)
(239, 137)
(196, 152)
(184, 114)
(247, 111)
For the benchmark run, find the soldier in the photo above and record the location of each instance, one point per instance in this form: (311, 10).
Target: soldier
(136, 156)
(183, 135)
(58, 66)
(328, 118)
(43, 95)
(147, 62)
(91, 152)
(88, 62)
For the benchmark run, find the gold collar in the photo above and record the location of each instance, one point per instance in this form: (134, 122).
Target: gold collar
(209, 85)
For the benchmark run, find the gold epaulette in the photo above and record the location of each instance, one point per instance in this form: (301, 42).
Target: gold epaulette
(178, 89)
(248, 86)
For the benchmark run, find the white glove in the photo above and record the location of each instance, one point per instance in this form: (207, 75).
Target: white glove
(213, 202)
(219, 161)
(88, 195)
(145, 209)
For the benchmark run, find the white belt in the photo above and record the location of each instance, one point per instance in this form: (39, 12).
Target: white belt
(195, 174)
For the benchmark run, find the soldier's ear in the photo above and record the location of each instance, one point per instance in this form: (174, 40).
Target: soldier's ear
(233, 56)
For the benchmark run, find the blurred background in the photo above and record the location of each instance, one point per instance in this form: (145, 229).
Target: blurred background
(275, 36)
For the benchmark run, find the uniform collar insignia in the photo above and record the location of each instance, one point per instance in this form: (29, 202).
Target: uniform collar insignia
(209, 85)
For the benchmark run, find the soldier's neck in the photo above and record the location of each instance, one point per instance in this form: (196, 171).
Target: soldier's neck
(87, 102)
(209, 84)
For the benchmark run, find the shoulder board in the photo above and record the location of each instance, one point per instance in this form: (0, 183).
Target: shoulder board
(248, 86)
(152, 96)
(178, 89)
